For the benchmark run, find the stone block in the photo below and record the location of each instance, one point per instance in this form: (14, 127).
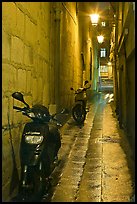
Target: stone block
(8, 20)
(5, 77)
(20, 24)
(28, 55)
(17, 49)
(6, 45)
(29, 82)
(30, 32)
(5, 104)
(21, 80)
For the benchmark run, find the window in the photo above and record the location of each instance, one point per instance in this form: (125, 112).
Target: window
(103, 23)
(103, 52)
(103, 68)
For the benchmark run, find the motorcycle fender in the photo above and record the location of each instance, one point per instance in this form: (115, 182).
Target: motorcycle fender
(34, 162)
(79, 102)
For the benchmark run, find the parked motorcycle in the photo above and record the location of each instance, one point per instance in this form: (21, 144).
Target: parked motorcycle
(79, 109)
(39, 147)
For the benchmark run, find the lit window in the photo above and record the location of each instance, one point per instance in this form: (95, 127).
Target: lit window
(103, 68)
(103, 24)
(103, 52)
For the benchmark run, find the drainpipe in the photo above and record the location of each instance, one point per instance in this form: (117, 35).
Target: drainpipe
(57, 54)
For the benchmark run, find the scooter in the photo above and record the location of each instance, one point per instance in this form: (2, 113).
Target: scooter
(40, 143)
(79, 109)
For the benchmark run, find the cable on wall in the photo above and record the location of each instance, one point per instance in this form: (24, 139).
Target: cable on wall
(69, 13)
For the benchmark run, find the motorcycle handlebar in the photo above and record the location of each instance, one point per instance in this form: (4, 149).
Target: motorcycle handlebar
(23, 110)
(80, 91)
(17, 108)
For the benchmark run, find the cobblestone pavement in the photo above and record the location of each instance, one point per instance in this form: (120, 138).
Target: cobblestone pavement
(96, 159)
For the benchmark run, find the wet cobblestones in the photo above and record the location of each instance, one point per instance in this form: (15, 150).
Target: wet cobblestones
(96, 167)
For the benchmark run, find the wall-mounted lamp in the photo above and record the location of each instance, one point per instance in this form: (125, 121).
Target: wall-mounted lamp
(109, 63)
(94, 19)
(100, 39)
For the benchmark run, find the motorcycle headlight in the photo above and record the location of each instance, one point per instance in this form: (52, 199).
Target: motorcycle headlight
(31, 114)
(34, 139)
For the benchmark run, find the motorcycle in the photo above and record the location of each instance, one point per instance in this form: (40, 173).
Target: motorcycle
(40, 143)
(79, 109)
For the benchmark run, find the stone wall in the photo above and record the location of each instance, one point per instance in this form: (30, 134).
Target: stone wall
(29, 66)
(126, 68)
(70, 53)
(25, 62)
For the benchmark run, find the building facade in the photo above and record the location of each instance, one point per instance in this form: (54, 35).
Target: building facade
(122, 55)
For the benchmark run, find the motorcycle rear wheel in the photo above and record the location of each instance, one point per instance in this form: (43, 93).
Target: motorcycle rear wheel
(79, 113)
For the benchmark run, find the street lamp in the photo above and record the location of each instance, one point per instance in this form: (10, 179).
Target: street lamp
(94, 19)
(109, 63)
(100, 39)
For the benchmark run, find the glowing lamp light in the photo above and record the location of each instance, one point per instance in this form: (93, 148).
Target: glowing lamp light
(109, 63)
(100, 39)
(94, 19)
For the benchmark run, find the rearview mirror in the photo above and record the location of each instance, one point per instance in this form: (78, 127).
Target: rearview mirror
(19, 96)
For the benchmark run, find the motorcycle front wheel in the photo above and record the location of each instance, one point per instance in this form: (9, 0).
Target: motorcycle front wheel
(35, 185)
(79, 113)
(40, 183)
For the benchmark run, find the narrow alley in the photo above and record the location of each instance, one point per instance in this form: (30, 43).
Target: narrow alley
(95, 159)
(57, 59)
